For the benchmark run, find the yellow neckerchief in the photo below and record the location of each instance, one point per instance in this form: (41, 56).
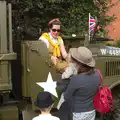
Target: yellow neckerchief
(56, 51)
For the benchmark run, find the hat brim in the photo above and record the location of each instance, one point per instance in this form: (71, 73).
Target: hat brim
(74, 54)
(43, 105)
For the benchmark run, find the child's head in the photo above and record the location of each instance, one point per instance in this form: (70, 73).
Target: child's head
(46, 109)
(44, 101)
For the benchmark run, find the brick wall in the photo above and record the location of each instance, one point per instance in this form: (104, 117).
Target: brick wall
(114, 28)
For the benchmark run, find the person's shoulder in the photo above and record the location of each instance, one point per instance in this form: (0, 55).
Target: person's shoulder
(36, 118)
(74, 79)
(60, 38)
(55, 118)
(44, 37)
(45, 34)
(96, 73)
(75, 76)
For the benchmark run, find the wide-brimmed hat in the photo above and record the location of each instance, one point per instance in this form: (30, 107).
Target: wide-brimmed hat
(44, 99)
(83, 55)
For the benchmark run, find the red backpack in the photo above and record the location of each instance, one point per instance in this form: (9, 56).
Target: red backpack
(103, 100)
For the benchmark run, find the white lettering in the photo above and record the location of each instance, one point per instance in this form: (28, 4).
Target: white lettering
(111, 52)
(103, 51)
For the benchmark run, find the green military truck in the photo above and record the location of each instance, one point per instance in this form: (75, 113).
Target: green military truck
(24, 63)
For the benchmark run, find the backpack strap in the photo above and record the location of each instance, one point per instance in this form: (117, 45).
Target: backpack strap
(101, 78)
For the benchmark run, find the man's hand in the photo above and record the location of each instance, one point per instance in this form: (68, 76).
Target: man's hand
(54, 60)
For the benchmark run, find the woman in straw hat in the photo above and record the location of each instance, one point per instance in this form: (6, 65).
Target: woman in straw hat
(55, 44)
(82, 87)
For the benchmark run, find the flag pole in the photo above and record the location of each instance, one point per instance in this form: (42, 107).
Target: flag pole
(89, 27)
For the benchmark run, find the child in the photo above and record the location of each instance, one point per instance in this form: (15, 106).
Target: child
(45, 103)
(72, 67)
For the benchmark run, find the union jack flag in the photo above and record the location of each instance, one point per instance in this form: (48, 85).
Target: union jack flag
(92, 25)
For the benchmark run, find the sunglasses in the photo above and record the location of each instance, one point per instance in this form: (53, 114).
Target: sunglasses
(54, 30)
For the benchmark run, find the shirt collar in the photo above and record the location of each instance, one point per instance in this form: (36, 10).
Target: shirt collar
(45, 114)
(51, 37)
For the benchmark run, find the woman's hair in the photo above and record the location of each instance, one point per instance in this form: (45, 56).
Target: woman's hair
(83, 68)
(55, 21)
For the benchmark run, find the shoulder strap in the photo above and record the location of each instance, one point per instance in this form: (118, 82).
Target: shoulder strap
(101, 78)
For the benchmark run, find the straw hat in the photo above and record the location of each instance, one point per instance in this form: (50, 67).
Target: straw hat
(83, 55)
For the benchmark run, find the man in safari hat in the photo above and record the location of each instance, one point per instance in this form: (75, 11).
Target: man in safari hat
(45, 103)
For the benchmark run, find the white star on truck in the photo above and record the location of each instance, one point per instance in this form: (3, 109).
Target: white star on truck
(49, 85)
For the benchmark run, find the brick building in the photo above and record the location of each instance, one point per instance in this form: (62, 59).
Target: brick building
(114, 28)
